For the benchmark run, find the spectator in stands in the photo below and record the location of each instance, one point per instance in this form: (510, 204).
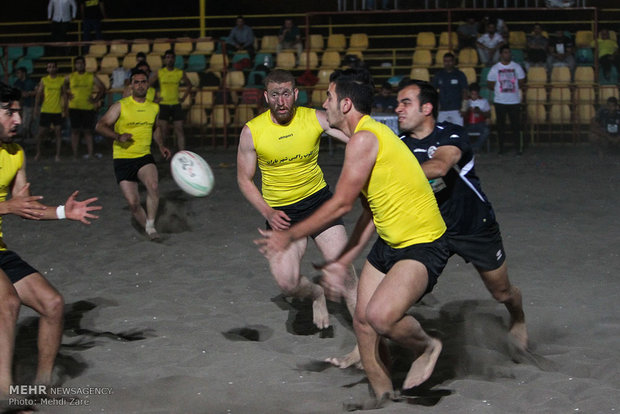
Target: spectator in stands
(241, 37)
(93, 11)
(561, 52)
(505, 78)
(60, 13)
(289, 37)
(477, 113)
(537, 44)
(500, 25)
(451, 84)
(27, 87)
(605, 126)
(489, 44)
(385, 101)
(49, 96)
(78, 89)
(608, 56)
(468, 33)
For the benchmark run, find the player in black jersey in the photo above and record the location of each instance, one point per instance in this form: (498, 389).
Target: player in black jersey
(444, 151)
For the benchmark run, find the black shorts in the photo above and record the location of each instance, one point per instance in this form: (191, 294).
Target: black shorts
(433, 255)
(171, 111)
(126, 169)
(82, 118)
(304, 208)
(46, 120)
(484, 250)
(14, 267)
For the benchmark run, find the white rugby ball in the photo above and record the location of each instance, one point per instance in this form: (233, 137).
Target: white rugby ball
(192, 173)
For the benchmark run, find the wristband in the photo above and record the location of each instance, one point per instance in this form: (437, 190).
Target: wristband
(60, 212)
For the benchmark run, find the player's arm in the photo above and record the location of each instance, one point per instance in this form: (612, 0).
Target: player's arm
(360, 156)
(246, 169)
(105, 126)
(444, 158)
(333, 132)
(188, 88)
(101, 89)
(38, 98)
(165, 152)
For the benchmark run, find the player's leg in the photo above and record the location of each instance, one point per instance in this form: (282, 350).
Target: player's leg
(88, 138)
(75, 141)
(43, 131)
(180, 134)
(9, 310)
(147, 174)
(37, 293)
(58, 135)
(163, 128)
(131, 194)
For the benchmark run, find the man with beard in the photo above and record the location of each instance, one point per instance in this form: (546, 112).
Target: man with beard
(284, 142)
(19, 282)
(132, 124)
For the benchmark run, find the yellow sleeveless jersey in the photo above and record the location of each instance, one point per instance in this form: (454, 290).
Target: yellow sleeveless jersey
(137, 119)
(51, 94)
(169, 85)
(150, 94)
(403, 205)
(11, 160)
(287, 156)
(81, 86)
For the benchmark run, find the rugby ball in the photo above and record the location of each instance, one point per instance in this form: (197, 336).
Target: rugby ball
(192, 173)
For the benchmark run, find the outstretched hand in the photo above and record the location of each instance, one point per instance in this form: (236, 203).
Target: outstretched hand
(273, 242)
(80, 210)
(24, 205)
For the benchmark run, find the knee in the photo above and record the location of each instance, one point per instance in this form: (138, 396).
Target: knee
(379, 320)
(9, 306)
(288, 285)
(53, 306)
(505, 293)
(134, 206)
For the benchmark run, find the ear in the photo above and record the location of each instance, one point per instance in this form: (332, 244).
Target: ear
(427, 108)
(296, 93)
(346, 105)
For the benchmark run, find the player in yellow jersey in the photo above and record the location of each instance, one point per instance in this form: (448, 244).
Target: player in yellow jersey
(132, 124)
(151, 93)
(19, 282)
(49, 96)
(284, 142)
(79, 87)
(411, 250)
(169, 103)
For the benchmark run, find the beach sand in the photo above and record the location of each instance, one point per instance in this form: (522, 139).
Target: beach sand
(196, 324)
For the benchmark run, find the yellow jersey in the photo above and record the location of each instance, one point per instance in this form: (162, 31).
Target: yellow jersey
(287, 156)
(11, 160)
(137, 119)
(81, 86)
(403, 205)
(169, 85)
(52, 88)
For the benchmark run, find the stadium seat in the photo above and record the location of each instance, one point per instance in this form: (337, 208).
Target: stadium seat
(319, 95)
(129, 61)
(285, 60)
(220, 116)
(536, 113)
(607, 91)
(91, 64)
(160, 46)
(439, 56)
(255, 79)
(584, 113)
(422, 58)
(358, 41)
(194, 78)
(585, 95)
(243, 113)
(268, 44)
(316, 42)
(235, 79)
(536, 94)
(559, 114)
(108, 64)
(584, 56)
(536, 75)
(560, 75)
(308, 60)
(470, 74)
(420, 73)
(263, 59)
(35, 52)
(26, 63)
(468, 56)
(97, 50)
(426, 40)
(118, 49)
(517, 39)
(204, 47)
(140, 45)
(584, 75)
(204, 98)
(216, 62)
(183, 48)
(323, 76)
(518, 56)
(196, 63)
(560, 94)
(484, 74)
(197, 116)
(104, 78)
(179, 62)
(448, 40)
(330, 60)
(154, 61)
(337, 42)
(583, 38)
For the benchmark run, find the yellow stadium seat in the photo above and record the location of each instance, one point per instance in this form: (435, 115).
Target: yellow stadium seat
(559, 114)
(607, 91)
(439, 56)
(97, 50)
(448, 40)
(358, 41)
(536, 75)
(585, 95)
(105, 79)
(426, 40)
(129, 61)
(235, 79)
(91, 64)
(243, 113)
(154, 61)
(422, 58)
(308, 60)
(118, 49)
(204, 47)
(330, 59)
(193, 78)
(183, 48)
(583, 38)
(420, 73)
(285, 60)
(319, 96)
(560, 94)
(560, 74)
(140, 45)
(336, 41)
(470, 74)
(197, 116)
(316, 42)
(204, 98)
(268, 44)
(517, 39)
(216, 62)
(536, 94)
(468, 56)
(584, 113)
(108, 64)
(323, 76)
(220, 116)
(536, 113)
(160, 46)
(584, 75)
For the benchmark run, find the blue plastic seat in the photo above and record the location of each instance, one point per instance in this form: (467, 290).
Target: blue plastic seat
(584, 56)
(35, 52)
(196, 63)
(179, 62)
(25, 63)
(15, 52)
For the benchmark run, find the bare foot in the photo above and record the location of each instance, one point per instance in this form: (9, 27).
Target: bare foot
(423, 366)
(319, 312)
(152, 234)
(352, 358)
(519, 331)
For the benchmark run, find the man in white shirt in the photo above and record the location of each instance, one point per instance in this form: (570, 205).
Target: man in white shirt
(488, 45)
(506, 78)
(61, 12)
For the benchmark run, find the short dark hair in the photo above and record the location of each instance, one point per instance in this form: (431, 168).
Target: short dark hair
(141, 55)
(612, 100)
(141, 64)
(355, 84)
(449, 55)
(474, 87)
(504, 47)
(21, 69)
(169, 52)
(135, 71)
(279, 76)
(427, 94)
(79, 58)
(8, 94)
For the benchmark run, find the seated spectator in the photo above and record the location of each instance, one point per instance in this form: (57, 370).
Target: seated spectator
(289, 37)
(385, 101)
(561, 52)
(500, 25)
(241, 37)
(477, 112)
(489, 44)
(608, 56)
(605, 126)
(451, 84)
(537, 44)
(468, 33)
